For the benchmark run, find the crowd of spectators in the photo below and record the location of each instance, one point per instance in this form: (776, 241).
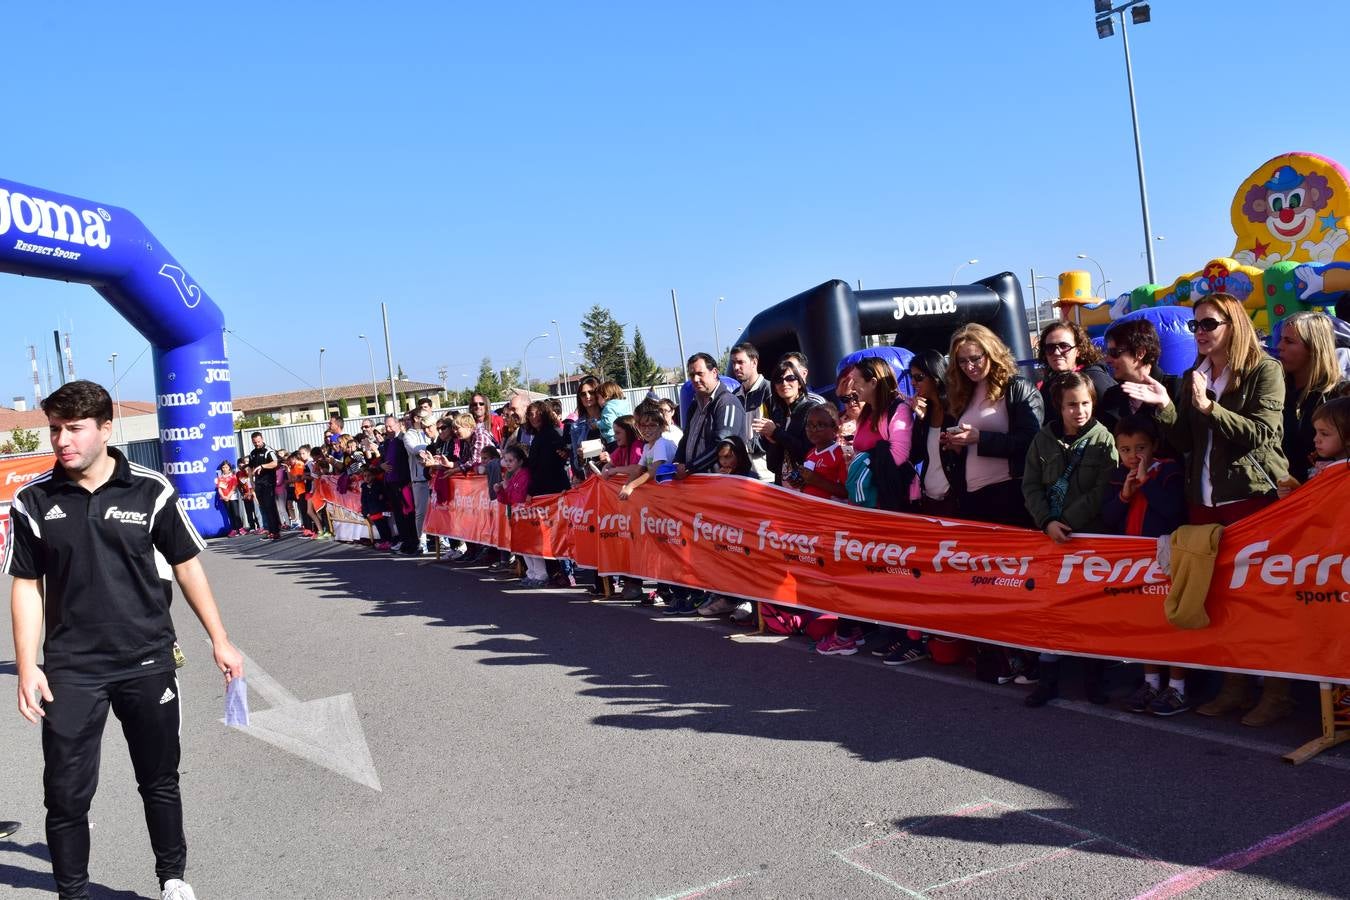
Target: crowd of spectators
(1093, 442)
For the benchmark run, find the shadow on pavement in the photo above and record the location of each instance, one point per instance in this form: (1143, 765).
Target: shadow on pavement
(1164, 796)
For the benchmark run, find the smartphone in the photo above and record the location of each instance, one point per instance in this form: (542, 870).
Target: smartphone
(955, 429)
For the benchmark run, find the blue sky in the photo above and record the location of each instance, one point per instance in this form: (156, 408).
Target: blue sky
(486, 170)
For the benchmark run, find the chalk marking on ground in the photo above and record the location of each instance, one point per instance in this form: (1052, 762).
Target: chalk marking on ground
(326, 732)
(705, 890)
(1277, 843)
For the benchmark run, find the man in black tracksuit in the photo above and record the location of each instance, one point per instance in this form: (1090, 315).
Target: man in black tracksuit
(715, 415)
(265, 467)
(94, 544)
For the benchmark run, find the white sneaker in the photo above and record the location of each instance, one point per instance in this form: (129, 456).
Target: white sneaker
(177, 889)
(743, 612)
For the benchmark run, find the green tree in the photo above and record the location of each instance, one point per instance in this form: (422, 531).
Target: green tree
(26, 441)
(400, 376)
(256, 421)
(488, 384)
(602, 350)
(645, 370)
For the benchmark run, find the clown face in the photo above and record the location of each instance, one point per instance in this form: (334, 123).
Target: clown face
(1288, 204)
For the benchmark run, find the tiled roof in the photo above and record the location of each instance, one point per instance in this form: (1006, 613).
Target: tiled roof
(268, 402)
(35, 418)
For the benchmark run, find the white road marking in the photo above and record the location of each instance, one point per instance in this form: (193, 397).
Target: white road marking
(325, 732)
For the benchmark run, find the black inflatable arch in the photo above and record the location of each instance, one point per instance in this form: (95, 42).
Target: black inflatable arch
(829, 321)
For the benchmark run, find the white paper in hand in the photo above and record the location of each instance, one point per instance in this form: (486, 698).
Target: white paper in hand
(236, 703)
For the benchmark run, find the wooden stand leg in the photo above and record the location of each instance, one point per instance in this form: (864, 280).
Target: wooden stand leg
(1331, 735)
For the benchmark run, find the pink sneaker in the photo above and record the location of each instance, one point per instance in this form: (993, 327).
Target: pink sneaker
(384, 545)
(835, 645)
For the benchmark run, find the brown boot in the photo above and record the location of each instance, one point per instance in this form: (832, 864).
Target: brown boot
(1232, 697)
(1275, 704)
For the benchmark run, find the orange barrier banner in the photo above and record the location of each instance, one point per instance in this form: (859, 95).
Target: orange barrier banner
(15, 473)
(1278, 603)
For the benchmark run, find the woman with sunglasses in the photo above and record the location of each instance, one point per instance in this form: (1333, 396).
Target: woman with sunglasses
(586, 426)
(998, 414)
(1133, 349)
(783, 432)
(850, 409)
(1228, 416)
(1066, 347)
(939, 470)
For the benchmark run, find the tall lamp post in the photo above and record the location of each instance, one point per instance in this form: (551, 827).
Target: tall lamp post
(969, 262)
(1140, 12)
(323, 391)
(370, 354)
(1105, 281)
(562, 362)
(524, 366)
(117, 401)
(717, 335)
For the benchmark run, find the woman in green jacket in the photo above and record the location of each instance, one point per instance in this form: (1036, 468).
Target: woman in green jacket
(1229, 418)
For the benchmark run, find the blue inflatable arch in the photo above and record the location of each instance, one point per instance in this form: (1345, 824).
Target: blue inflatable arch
(49, 235)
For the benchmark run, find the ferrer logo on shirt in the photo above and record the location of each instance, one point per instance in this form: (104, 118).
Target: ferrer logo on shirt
(126, 515)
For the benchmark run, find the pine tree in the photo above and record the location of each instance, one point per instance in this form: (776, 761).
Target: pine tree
(603, 349)
(645, 370)
(488, 385)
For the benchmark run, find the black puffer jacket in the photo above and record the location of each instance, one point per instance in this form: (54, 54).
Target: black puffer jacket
(1026, 414)
(789, 438)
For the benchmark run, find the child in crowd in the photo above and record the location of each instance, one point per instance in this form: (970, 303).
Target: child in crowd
(733, 457)
(1331, 434)
(1067, 474)
(825, 470)
(615, 404)
(628, 444)
(227, 488)
(657, 451)
(245, 479)
(373, 505)
(1147, 498)
(514, 490)
(671, 431)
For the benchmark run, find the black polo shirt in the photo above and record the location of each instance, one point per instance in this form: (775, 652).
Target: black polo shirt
(107, 561)
(257, 457)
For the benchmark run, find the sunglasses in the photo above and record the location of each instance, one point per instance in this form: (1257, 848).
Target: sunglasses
(1205, 325)
(787, 378)
(1116, 352)
(478, 404)
(1059, 349)
(918, 377)
(971, 362)
(851, 398)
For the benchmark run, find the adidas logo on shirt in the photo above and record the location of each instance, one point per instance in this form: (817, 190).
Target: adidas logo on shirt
(53, 513)
(168, 695)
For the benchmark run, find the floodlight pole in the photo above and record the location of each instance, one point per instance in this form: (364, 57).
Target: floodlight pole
(1138, 150)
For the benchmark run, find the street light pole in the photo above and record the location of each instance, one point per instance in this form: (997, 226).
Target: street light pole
(525, 366)
(562, 363)
(969, 262)
(370, 354)
(117, 401)
(679, 335)
(323, 391)
(389, 358)
(1138, 154)
(717, 334)
(1105, 281)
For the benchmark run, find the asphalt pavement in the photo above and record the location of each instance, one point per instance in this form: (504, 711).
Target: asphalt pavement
(421, 730)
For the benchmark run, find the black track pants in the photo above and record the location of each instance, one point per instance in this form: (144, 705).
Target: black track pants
(72, 730)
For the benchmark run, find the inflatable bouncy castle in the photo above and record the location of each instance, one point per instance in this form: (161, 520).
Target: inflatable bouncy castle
(1292, 251)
